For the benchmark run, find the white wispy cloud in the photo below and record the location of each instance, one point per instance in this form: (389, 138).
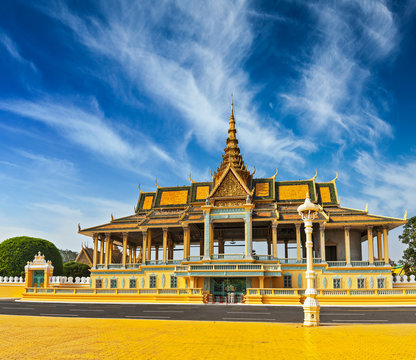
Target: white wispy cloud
(13, 50)
(333, 93)
(87, 126)
(190, 57)
(389, 186)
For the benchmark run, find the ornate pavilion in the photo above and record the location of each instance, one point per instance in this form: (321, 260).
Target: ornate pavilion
(211, 228)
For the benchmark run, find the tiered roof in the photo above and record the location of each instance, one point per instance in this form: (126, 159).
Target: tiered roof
(232, 157)
(273, 200)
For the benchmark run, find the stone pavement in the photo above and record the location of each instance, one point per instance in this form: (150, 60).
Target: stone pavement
(24, 337)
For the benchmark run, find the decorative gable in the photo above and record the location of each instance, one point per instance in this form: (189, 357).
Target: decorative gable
(230, 190)
(230, 187)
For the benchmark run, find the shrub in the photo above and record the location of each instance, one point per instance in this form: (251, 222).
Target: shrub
(16, 252)
(74, 269)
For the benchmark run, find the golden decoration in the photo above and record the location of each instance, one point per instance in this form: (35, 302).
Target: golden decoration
(275, 174)
(174, 197)
(229, 202)
(202, 192)
(147, 203)
(262, 189)
(230, 187)
(190, 178)
(325, 194)
(292, 192)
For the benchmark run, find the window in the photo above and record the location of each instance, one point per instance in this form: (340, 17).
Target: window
(380, 283)
(113, 283)
(361, 283)
(132, 284)
(98, 283)
(152, 281)
(336, 283)
(173, 282)
(287, 281)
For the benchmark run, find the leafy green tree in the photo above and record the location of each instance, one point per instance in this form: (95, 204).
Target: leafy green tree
(68, 255)
(408, 237)
(16, 252)
(75, 269)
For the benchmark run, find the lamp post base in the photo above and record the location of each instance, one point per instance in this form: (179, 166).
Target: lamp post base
(311, 309)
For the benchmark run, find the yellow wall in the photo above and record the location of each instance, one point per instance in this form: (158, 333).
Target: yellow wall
(11, 290)
(181, 283)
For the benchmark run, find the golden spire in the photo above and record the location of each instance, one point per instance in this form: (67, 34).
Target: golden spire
(232, 156)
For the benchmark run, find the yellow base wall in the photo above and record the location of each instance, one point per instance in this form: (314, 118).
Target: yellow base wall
(11, 290)
(145, 298)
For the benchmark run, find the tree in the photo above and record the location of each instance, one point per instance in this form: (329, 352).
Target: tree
(408, 237)
(16, 252)
(74, 269)
(68, 255)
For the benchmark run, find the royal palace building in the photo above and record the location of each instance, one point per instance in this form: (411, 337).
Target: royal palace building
(240, 238)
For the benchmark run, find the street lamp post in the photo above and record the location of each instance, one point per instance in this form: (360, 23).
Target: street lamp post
(309, 211)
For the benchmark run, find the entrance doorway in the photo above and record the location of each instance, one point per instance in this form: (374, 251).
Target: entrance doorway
(228, 290)
(331, 253)
(38, 277)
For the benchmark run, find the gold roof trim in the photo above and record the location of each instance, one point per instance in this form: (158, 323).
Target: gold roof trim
(190, 178)
(314, 177)
(274, 176)
(224, 174)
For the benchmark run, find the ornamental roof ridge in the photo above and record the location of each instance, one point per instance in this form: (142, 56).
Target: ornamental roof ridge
(232, 156)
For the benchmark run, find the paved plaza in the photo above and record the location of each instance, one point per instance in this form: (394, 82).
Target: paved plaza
(26, 337)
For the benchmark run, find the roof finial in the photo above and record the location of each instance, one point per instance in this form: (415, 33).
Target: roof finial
(190, 178)
(232, 102)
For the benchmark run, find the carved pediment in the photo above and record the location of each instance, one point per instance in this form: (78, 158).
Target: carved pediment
(230, 187)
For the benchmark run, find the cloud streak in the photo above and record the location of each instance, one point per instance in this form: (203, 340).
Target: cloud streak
(191, 59)
(89, 128)
(390, 186)
(335, 93)
(13, 50)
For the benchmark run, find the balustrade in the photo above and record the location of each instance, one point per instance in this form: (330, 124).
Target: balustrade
(12, 280)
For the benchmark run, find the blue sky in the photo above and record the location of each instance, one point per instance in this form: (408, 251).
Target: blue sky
(98, 97)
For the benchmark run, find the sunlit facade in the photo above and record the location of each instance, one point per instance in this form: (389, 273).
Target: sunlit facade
(239, 238)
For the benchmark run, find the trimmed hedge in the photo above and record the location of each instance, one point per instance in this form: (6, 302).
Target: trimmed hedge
(16, 252)
(74, 269)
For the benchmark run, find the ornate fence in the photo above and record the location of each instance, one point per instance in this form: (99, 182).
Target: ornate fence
(12, 280)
